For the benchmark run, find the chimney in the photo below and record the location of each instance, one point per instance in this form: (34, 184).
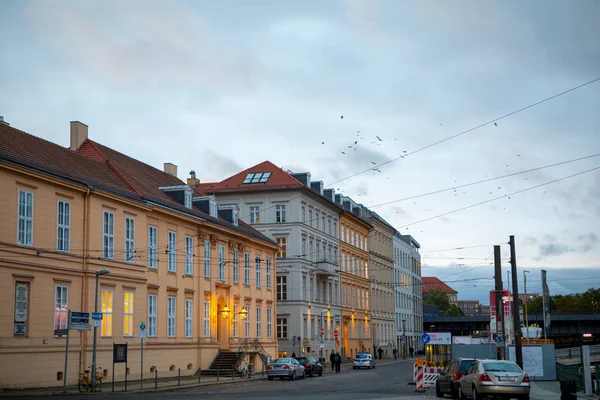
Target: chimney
(79, 134)
(170, 169)
(192, 180)
(2, 121)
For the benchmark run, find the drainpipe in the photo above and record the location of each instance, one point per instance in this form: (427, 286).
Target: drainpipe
(84, 286)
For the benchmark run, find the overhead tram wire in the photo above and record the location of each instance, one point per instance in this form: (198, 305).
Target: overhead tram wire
(498, 198)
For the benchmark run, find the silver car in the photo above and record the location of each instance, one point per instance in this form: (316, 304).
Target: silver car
(363, 360)
(494, 378)
(285, 368)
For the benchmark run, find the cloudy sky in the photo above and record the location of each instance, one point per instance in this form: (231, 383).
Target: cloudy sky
(220, 86)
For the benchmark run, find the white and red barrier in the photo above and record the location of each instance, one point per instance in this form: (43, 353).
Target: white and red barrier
(425, 376)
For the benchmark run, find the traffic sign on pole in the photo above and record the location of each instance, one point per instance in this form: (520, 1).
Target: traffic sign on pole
(97, 316)
(322, 331)
(142, 326)
(425, 338)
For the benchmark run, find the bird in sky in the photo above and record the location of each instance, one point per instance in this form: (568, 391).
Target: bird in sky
(343, 152)
(322, 142)
(373, 162)
(380, 139)
(342, 117)
(495, 124)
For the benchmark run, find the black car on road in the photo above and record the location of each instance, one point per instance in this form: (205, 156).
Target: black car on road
(311, 366)
(449, 379)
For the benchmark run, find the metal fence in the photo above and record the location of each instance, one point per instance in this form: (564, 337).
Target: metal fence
(575, 352)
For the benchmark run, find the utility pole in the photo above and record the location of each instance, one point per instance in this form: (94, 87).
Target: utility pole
(498, 295)
(525, 272)
(515, 304)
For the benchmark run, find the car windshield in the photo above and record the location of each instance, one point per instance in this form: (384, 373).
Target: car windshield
(501, 367)
(464, 365)
(302, 361)
(364, 356)
(282, 361)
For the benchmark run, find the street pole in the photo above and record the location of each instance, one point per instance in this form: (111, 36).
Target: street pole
(98, 273)
(404, 338)
(544, 304)
(525, 272)
(515, 304)
(498, 294)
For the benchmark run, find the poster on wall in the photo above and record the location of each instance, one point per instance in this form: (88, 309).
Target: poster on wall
(21, 304)
(533, 364)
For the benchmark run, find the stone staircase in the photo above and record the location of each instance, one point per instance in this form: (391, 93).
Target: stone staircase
(223, 365)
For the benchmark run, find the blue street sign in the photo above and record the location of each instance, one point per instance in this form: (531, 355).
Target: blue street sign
(425, 338)
(142, 326)
(80, 317)
(97, 316)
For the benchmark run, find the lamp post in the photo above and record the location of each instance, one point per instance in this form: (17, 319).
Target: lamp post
(98, 273)
(525, 272)
(404, 338)
(322, 330)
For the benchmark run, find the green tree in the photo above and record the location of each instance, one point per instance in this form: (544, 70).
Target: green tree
(440, 299)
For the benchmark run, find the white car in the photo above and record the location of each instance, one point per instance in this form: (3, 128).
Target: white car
(494, 378)
(363, 360)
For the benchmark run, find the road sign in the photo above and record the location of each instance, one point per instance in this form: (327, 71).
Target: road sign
(78, 326)
(322, 331)
(335, 333)
(142, 326)
(321, 346)
(322, 342)
(143, 335)
(97, 323)
(80, 317)
(97, 316)
(425, 338)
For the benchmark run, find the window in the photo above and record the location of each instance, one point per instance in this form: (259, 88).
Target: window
(213, 209)
(25, 227)
(129, 240)
(189, 255)
(206, 318)
(280, 213)
(317, 214)
(257, 177)
(246, 268)
(247, 322)
(334, 229)
(171, 316)
(108, 249)
(310, 296)
(329, 226)
(269, 323)
(282, 332)
(221, 262)
(235, 320)
(207, 259)
(282, 287)
(172, 249)
(128, 314)
(310, 217)
(258, 322)
(304, 255)
(151, 315)
(269, 273)
(107, 310)
(63, 233)
(303, 288)
(254, 215)
(282, 243)
(188, 318)
(152, 247)
(187, 199)
(323, 222)
(258, 282)
(235, 217)
(303, 214)
(61, 307)
(236, 266)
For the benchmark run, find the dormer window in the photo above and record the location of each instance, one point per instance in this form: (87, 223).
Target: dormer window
(213, 209)
(235, 217)
(257, 177)
(188, 200)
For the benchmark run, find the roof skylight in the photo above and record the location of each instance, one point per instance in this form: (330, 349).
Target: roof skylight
(257, 177)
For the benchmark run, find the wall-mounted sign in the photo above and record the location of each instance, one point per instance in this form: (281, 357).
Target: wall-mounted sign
(21, 308)
(439, 337)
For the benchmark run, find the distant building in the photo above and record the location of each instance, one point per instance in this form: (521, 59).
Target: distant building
(431, 283)
(430, 310)
(484, 310)
(469, 307)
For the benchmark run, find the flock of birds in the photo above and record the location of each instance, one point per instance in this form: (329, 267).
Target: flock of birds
(376, 170)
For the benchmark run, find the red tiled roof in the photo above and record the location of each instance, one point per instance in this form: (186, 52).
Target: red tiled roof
(431, 283)
(201, 187)
(279, 179)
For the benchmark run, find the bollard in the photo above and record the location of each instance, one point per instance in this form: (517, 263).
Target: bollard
(199, 373)
(218, 368)
(232, 372)
(155, 378)
(178, 376)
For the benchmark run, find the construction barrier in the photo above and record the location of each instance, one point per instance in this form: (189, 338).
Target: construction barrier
(425, 375)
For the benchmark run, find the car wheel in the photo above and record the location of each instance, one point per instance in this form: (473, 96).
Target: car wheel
(453, 392)
(461, 395)
(474, 394)
(310, 374)
(270, 378)
(373, 367)
(293, 377)
(353, 367)
(438, 391)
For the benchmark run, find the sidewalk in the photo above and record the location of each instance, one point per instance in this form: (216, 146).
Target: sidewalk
(164, 385)
(545, 390)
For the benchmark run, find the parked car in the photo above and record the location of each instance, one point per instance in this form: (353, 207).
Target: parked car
(363, 360)
(285, 368)
(495, 378)
(449, 379)
(311, 366)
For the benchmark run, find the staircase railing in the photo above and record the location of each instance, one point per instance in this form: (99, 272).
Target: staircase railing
(253, 346)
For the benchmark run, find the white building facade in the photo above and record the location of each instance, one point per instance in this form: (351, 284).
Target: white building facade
(408, 296)
(303, 219)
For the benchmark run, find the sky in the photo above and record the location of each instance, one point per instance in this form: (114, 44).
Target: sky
(220, 86)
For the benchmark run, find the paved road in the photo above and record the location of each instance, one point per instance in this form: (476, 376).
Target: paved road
(386, 382)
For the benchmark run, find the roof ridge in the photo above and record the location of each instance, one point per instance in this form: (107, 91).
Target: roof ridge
(114, 168)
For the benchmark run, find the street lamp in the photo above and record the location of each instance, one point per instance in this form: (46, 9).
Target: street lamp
(404, 338)
(98, 273)
(323, 328)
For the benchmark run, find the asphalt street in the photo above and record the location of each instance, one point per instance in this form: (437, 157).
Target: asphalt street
(388, 381)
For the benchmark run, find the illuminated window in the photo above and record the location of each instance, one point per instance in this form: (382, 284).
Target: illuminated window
(235, 320)
(247, 322)
(128, 314)
(61, 306)
(107, 311)
(282, 243)
(254, 215)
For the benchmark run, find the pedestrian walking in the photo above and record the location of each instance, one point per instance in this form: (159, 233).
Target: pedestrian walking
(332, 359)
(294, 355)
(380, 351)
(395, 354)
(338, 362)
(411, 350)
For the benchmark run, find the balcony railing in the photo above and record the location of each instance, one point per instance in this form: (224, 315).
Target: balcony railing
(326, 267)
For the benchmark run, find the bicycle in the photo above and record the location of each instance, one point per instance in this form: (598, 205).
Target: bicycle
(246, 370)
(85, 381)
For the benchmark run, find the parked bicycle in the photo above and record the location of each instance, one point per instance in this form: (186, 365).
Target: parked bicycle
(246, 370)
(85, 381)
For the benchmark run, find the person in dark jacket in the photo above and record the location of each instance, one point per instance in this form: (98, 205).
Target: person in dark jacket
(380, 351)
(332, 359)
(338, 362)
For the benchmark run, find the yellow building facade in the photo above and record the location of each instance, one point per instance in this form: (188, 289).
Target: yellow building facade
(66, 214)
(355, 283)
